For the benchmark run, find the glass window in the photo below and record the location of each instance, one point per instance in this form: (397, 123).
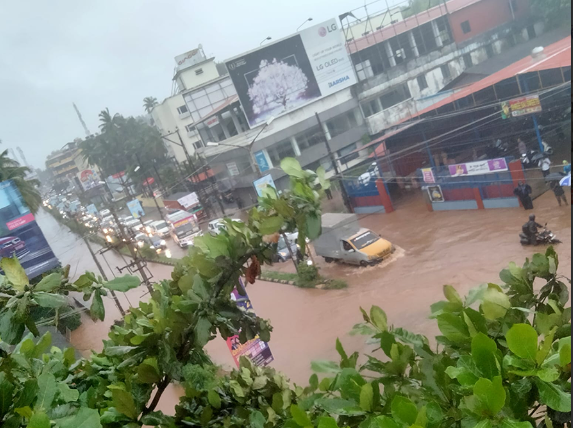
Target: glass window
(465, 27)
(467, 60)
(190, 128)
(202, 102)
(198, 94)
(198, 71)
(422, 83)
(216, 97)
(280, 151)
(489, 50)
(394, 96)
(182, 109)
(445, 71)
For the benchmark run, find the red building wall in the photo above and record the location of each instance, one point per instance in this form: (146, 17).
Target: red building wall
(484, 16)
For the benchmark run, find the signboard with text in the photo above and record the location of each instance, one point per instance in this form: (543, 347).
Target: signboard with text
(478, 167)
(521, 106)
(135, 208)
(255, 349)
(261, 161)
(189, 200)
(428, 175)
(89, 179)
(290, 73)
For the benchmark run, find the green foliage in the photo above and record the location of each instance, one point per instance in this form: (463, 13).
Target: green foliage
(307, 274)
(503, 356)
(12, 170)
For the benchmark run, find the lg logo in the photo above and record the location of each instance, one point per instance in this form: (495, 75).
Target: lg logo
(322, 31)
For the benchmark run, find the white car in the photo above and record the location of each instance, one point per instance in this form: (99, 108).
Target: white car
(160, 228)
(369, 175)
(105, 212)
(216, 226)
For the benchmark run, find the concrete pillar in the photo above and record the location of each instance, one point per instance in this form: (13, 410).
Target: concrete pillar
(436, 32)
(223, 125)
(413, 45)
(295, 146)
(390, 54)
(267, 156)
(358, 116)
(236, 121)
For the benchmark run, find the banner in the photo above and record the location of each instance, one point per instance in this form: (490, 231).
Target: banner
(521, 106)
(20, 235)
(255, 349)
(261, 161)
(479, 167)
(262, 183)
(428, 175)
(189, 200)
(435, 193)
(288, 74)
(135, 208)
(89, 179)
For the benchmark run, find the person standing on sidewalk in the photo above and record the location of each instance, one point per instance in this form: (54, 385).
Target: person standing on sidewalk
(544, 163)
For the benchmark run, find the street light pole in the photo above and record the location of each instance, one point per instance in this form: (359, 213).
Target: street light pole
(304, 23)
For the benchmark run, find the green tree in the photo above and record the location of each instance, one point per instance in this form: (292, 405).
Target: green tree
(554, 12)
(149, 104)
(12, 170)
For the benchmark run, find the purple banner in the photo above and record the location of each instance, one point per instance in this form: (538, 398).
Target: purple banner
(478, 167)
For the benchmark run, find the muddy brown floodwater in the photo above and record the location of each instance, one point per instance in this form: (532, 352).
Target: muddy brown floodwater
(461, 248)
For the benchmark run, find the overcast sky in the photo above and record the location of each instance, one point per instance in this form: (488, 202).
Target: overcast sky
(114, 53)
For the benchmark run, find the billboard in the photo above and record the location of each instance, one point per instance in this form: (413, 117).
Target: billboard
(89, 179)
(263, 183)
(20, 235)
(521, 106)
(295, 71)
(135, 208)
(189, 200)
(478, 167)
(189, 58)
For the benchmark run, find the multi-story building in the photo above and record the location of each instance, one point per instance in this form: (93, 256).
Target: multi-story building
(66, 163)
(402, 64)
(193, 72)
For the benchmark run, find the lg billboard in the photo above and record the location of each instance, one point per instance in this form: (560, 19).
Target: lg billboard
(283, 76)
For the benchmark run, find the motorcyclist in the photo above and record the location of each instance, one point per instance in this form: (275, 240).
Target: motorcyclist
(532, 228)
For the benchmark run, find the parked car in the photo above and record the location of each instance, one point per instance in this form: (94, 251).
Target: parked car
(12, 245)
(370, 174)
(134, 224)
(282, 253)
(160, 228)
(104, 213)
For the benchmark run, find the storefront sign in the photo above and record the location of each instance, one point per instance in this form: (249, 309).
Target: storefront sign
(521, 106)
(255, 349)
(428, 175)
(189, 200)
(435, 193)
(478, 167)
(232, 168)
(261, 161)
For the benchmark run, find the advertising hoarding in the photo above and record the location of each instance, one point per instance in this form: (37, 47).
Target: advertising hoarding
(262, 183)
(135, 208)
(428, 175)
(479, 167)
(89, 179)
(295, 71)
(255, 349)
(189, 58)
(20, 235)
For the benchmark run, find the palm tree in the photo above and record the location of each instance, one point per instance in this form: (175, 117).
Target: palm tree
(149, 104)
(108, 122)
(11, 170)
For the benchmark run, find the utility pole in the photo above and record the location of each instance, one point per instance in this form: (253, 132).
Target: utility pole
(335, 166)
(135, 257)
(103, 275)
(149, 187)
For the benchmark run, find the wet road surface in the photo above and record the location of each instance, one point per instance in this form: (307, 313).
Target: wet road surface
(461, 248)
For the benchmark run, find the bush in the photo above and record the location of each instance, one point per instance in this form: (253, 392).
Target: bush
(148, 253)
(307, 274)
(335, 284)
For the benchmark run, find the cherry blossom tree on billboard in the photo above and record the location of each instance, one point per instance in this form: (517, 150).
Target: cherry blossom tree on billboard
(277, 83)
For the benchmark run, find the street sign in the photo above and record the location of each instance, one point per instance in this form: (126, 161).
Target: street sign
(261, 161)
(262, 183)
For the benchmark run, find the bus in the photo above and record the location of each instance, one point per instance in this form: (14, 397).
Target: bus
(183, 228)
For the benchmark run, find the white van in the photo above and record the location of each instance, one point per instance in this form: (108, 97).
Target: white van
(160, 228)
(216, 226)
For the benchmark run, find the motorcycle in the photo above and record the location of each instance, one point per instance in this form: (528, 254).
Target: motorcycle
(545, 236)
(531, 158)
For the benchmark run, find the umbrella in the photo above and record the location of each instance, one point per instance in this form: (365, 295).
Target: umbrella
(555, 176)
(566, 181)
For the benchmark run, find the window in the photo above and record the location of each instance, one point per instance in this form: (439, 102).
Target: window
(445, 71)
(422, 83)
(182, 109)
(190, 128)
(341, 123)
(394, 96)
(198, 71)
(280, 151)
(465, 27)
(198, 145)
(309, 138)
(489, 50)
(467, 60)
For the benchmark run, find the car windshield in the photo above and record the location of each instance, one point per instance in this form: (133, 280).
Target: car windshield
(364, 240)
(281, 244)
(184, 230)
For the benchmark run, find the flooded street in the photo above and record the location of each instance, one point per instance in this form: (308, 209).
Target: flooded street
(461, 248)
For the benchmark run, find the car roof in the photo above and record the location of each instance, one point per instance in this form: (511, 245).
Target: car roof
(157, 222)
